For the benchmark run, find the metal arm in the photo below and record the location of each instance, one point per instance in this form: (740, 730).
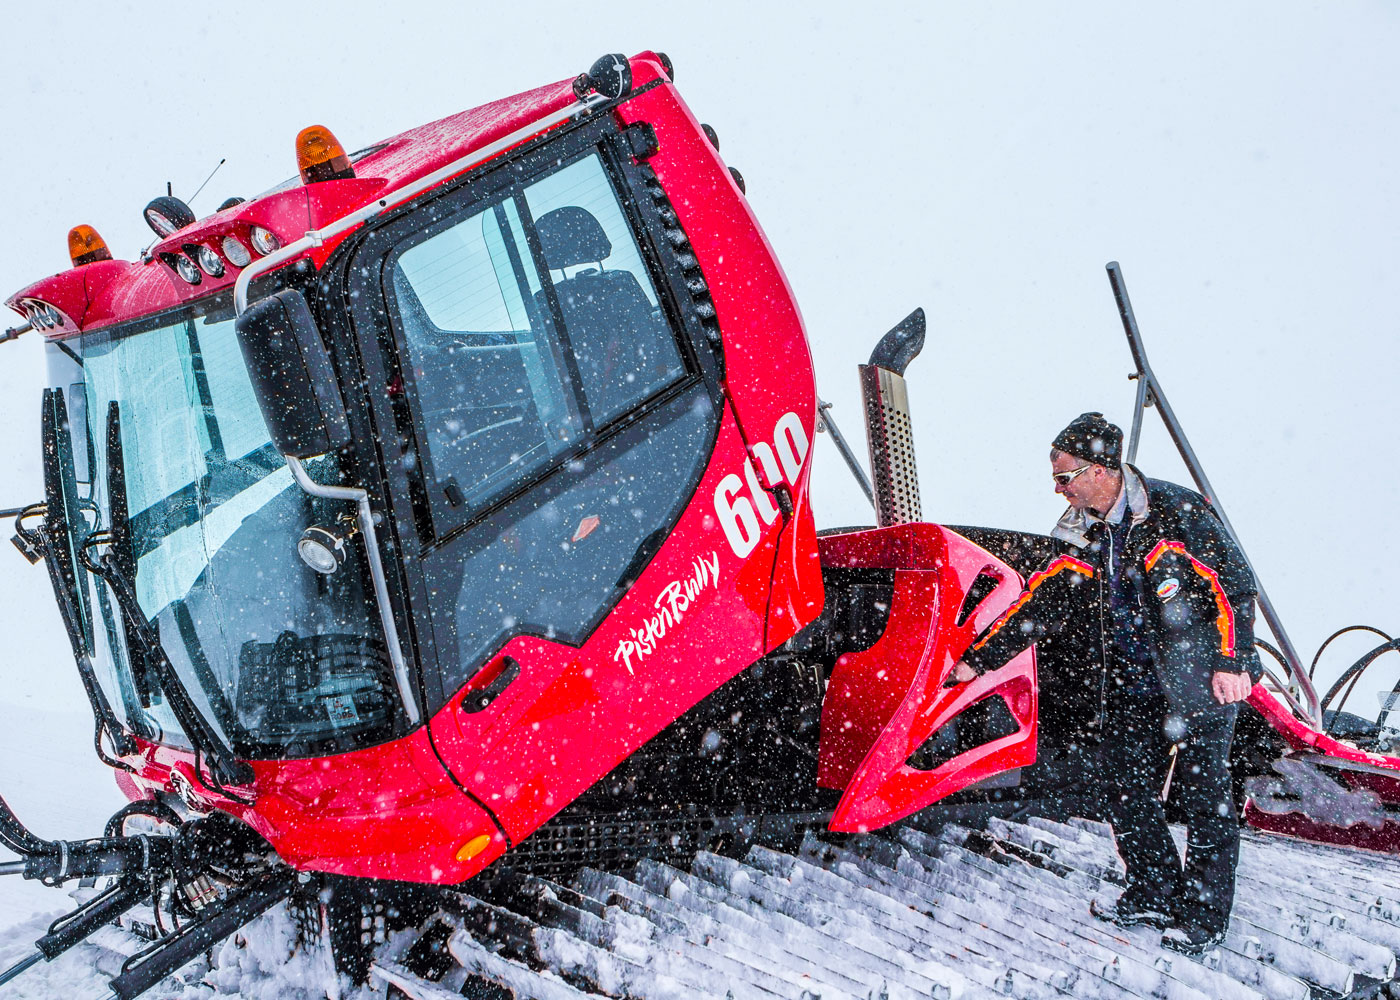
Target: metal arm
(825, 423)
(1149, 394)
(376, 572)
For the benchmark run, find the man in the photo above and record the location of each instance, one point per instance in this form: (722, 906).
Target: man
(1169, 602)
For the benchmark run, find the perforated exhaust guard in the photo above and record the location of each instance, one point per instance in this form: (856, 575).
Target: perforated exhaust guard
(889, 434)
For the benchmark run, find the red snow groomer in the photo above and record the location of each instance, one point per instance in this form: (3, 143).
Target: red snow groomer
(443, 515)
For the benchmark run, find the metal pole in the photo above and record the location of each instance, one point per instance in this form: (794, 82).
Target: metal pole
(376, 571)
(1143, 401)
(19, 967)
(824, 422)
(1150, 389)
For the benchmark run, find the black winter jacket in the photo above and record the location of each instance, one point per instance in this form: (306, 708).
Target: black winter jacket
(1192, 583)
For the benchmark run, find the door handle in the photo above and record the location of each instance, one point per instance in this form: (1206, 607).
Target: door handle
(481, 699)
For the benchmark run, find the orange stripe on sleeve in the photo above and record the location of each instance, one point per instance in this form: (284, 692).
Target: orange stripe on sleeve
(1225, 615)
(1057, 565)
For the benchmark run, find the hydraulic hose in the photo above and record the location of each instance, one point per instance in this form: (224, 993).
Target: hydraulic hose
(1312, 668)
(16, 836)
(55, 861)
(153, 808)
(1353, 673)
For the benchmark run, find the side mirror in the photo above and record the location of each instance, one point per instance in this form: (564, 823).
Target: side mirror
(292, 375)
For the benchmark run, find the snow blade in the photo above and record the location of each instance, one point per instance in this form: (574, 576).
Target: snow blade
(892, 736)
(1323, 789)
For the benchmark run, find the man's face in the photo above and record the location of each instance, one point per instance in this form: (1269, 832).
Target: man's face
(1092, 489)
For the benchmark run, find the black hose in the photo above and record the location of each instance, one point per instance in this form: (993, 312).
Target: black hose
(1353, 673)
(1340, 632)
(154, 808)
(112, 762)
(1276, 654)
(16, 836)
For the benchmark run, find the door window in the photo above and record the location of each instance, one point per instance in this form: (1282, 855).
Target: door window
(528, 324)
(613, 320)
(485, 364)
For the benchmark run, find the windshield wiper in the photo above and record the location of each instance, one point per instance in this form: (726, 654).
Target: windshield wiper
(223, 765)
(54, 543)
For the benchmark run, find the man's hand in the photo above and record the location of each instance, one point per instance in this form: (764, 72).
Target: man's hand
(1230, 687)
(961, 674)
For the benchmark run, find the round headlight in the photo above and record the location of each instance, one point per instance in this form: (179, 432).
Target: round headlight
(321, 549)
(209, 261)
(264, 242)
(236, 252)
(185, 268)
(55, 320)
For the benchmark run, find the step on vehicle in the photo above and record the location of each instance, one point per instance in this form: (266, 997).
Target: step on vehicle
(439, 522)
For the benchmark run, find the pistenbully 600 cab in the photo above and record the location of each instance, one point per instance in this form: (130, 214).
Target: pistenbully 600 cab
(439, 521)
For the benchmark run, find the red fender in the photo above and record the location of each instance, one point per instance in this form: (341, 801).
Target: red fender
(884, 702)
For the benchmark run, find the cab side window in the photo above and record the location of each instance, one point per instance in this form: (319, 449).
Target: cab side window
(529, 325)
(609, 306)
(485, 362)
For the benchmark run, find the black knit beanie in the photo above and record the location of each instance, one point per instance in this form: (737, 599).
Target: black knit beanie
(1092, 438)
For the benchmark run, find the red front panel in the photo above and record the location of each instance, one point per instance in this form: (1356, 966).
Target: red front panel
(384, 812)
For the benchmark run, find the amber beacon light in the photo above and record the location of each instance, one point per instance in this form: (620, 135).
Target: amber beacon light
(320, 156)
(86, 247)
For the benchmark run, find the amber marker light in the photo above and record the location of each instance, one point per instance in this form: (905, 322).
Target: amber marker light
(86, 247)
(320, 156)
(473, 847)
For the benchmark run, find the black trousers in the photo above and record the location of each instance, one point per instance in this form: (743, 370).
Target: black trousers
(1134, 759)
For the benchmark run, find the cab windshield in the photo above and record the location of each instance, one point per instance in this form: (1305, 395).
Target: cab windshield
(281, 660)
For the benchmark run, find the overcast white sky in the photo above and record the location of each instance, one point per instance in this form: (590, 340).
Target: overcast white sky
(981, 160)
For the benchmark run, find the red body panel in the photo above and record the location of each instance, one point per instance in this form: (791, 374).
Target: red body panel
(882, 703)
(1381, 775)
(1386, 838)
(574, 713)
(383, 812)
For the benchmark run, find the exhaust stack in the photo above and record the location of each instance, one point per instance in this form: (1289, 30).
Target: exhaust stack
(888, 429)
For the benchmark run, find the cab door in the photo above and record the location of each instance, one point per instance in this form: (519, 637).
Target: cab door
(556, 429)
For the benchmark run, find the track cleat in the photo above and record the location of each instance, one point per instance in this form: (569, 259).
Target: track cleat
(1126, 914)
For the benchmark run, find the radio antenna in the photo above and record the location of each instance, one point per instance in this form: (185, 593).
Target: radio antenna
(207, 180)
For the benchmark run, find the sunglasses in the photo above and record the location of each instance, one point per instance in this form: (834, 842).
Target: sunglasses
(1065, 478)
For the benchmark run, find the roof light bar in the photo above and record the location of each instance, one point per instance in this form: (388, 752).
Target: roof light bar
(317, 237)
